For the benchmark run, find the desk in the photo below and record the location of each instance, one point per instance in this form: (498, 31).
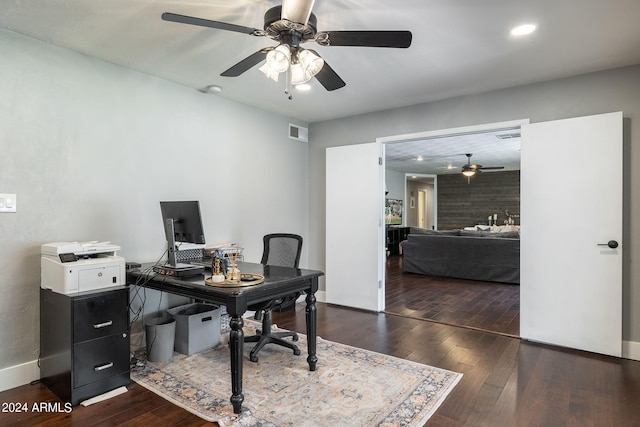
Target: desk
(279, 281)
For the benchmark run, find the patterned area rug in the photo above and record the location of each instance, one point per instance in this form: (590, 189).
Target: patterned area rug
(351, 386)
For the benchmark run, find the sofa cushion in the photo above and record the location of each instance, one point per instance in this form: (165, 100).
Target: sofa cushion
(477, 233)
(418, 230)
(508, 234)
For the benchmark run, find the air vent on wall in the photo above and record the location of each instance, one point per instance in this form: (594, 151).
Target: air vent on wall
(298, 133)
(509, 135)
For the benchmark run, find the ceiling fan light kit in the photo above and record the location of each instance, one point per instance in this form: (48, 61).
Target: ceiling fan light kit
(470, 170)
(290, 25)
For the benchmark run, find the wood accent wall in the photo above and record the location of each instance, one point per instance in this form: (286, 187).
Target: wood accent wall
(464, 204)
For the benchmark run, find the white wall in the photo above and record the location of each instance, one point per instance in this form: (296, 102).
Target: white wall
(91, 148)
(602, 92)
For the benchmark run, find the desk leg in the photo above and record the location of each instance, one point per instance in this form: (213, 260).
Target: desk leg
(236, 340)
(311, 331)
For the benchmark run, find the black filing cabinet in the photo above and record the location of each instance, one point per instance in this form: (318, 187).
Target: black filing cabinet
(84, 342)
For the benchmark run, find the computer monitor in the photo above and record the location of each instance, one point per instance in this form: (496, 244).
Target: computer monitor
(187, 223)
(182, 224)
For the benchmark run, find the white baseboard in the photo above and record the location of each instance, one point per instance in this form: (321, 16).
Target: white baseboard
(15, 376)
(631, 350)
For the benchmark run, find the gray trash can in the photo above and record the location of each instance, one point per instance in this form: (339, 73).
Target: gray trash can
(160, 332)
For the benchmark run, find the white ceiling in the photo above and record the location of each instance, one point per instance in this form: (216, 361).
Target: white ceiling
(447, 155)
(459, 46)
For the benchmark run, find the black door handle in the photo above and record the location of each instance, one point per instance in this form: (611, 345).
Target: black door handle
(611, 243)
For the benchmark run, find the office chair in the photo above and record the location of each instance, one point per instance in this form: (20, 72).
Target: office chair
(282, 250)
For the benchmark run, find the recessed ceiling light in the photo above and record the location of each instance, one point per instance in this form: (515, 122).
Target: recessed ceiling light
(419, 158)
(523, 30)
(303, 87)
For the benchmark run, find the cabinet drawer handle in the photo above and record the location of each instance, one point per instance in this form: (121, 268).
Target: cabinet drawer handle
(102, 325)
(103, 367)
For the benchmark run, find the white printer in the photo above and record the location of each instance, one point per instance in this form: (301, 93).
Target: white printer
(72, 267)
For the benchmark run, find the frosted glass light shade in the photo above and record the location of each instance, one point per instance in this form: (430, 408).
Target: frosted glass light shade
(269, 72)
(311, 62)
(298, 75)
(307, 66)
(279, 58)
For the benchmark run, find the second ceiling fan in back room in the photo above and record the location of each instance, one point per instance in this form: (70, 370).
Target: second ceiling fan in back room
(290, 25)
(470, 170)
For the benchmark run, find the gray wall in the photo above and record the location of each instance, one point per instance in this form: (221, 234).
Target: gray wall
(602, 92)
(395, 184)
(91, 148)
(463, 203)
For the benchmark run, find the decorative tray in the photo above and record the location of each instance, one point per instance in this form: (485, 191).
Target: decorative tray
(246, 279)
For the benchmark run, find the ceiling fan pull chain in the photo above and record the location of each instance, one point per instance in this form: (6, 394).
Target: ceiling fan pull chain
(287, 89)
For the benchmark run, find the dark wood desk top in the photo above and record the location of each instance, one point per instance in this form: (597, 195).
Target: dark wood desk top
(278, 281)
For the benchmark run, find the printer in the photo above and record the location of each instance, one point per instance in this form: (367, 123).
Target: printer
(73, 267)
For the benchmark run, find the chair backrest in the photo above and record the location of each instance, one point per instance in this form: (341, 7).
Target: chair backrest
(282, 249)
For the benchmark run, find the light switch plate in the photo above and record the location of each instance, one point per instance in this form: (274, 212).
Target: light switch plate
(7, 202)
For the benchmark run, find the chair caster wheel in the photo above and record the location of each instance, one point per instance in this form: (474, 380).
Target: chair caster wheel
(294, 338)
(296, 352)
(253, 359)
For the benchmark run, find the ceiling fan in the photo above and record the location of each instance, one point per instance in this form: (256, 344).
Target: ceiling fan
(469, 170)
(290, 25)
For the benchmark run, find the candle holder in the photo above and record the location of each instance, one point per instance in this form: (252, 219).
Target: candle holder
(216, 272)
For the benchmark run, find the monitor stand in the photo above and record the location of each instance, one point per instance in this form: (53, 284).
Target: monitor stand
(173, 268)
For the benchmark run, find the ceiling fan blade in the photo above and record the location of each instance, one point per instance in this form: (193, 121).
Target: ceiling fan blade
(297, 10)
(247, 63)
(491, 168)
(400, 39)
(182, 19)
(329, 78)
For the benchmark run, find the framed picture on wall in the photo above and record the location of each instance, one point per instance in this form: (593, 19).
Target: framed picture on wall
(393, 212)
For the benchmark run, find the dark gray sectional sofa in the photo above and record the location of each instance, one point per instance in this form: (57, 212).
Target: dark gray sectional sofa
(475, 255)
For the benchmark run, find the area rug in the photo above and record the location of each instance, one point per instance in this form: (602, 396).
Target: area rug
(351, 387)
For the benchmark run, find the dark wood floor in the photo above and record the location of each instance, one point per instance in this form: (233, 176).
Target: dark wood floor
(506, 382)
(486, 306)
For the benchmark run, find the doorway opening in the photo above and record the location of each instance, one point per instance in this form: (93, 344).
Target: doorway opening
(489, 306)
